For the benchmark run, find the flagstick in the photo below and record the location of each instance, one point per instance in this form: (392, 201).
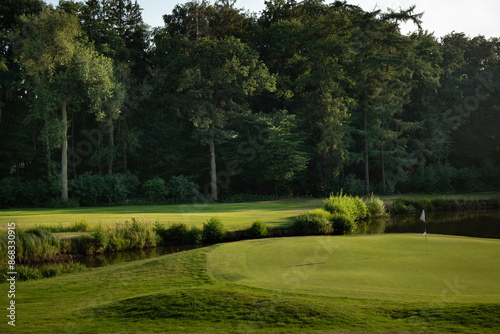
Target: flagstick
(422, 218)
(425, 232)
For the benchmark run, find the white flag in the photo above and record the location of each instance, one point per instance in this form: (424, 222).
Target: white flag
(425, 233)
(422, 217)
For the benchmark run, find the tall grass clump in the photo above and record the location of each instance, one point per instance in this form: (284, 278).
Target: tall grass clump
(32, 245)
(131, 235)
(124, 236)
(315, 222)
(214, 231)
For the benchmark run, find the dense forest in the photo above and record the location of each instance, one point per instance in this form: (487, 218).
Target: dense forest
(303, 99)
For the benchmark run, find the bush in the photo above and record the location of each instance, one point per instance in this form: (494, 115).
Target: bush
(352, 207)
(258, 229)
(182, 189)
(343, 224)
(155, 190)
(95, 190)
(213, 231)
(175, 234)
(194, 236)
(26, 193)
(376, 207)
(315, 222)
(401, 207)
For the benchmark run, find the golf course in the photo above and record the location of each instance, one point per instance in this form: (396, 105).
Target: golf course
(388, 283)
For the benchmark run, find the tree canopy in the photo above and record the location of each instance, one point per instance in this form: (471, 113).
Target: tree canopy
(305, 98)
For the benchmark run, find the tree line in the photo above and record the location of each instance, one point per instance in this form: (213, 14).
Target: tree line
(305, 98)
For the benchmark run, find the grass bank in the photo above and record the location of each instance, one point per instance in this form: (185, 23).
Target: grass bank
(198, 292)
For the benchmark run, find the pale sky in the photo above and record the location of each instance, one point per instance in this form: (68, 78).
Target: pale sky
(479, 17)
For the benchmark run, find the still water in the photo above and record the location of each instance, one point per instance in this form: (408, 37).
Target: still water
(483, 224)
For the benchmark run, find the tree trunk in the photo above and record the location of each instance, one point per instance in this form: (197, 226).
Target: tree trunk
(125, 157)
(64, 152)
(49, 162)
(365, 155)
(383, 167)
(73, 164)
(213, 170)
(111, 144)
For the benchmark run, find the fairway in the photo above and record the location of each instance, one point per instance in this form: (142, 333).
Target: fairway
(235, 216)
(390, 267)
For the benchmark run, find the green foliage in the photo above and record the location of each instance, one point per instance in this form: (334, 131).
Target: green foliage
(315, 222)
(99, 239)
(194, 236)
(175, 234)
(349, 184)
(25, 193)
(259, 229)
(33, 245)
(213, 231)
(155, 190)
(401, 207)
(343, 224)
(352, 207)
(26, 272)
(376, 207)
(182, 189)
(95, 190)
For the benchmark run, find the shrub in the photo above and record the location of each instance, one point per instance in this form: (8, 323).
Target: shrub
(315, 222)
(25, 193)
(175, 234)
(214, 231)
(182, 188)
(353, 207)
(155, 190)
(376, 207)
(343, 224)
(401, 207)
(94, 190)
(194, 236)
(258, 229)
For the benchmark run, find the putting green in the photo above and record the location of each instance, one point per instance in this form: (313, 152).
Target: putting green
(390, 267)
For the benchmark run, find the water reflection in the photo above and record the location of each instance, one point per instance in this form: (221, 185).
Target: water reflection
(100, 260)
(484, 224)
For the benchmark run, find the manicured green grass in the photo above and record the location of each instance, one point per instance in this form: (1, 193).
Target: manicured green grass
(231, 288)
(390, 267)
(234, 216)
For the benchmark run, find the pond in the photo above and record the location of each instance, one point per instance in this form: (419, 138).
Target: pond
(484, 224)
